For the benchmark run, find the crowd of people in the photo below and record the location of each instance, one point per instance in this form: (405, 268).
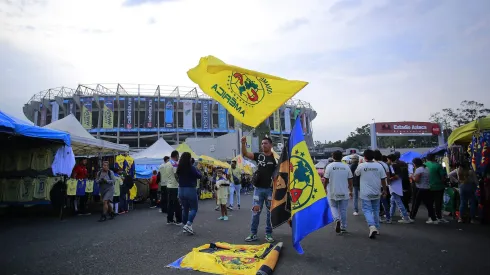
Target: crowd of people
(385, 184)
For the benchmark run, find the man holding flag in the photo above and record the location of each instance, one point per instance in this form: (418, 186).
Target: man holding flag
(262, 182)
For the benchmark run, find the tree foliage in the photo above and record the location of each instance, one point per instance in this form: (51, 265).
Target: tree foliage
(468, 111)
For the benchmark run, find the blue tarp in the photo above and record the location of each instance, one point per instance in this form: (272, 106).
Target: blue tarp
(409, 156)
(145, 171)
(15, 126)
(436, 150)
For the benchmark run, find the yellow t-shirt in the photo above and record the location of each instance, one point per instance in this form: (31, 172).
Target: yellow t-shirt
(11, 188)
(23, 160)
(50, 182)
(40, 188)
(41, 159)
(71, 187)
(26, 190)
(89, 186)
(9, 163)
(117, 187)
(2, 189)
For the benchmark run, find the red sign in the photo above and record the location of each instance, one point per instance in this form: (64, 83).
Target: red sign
(407, 128)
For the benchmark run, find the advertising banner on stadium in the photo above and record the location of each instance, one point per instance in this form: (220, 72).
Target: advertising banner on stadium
(169, 113)
(206, 115)
(188, 114)
(287, 120)
(44, 114)
(277, 121)
(55, 111)
(222, 121)
(129, 113)
(149, 113)
(86, 115)
(72, 107)
(108, 113)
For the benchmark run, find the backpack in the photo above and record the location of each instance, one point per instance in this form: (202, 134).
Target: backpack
(403, 166)
(110, 174)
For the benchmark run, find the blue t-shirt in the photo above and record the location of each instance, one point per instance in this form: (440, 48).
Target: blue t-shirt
(189, 179)
(81, 184)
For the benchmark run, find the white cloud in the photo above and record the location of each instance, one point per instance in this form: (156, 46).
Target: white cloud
(355, 56)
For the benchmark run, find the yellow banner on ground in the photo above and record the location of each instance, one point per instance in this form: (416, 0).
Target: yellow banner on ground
(250, 96)
(229, 259)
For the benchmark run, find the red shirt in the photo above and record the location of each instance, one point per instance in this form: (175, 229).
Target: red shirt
(153, 183)
(80, 172)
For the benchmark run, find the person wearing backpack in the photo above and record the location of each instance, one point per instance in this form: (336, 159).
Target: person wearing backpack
(106, 180)
(406, 184)
(262, 182)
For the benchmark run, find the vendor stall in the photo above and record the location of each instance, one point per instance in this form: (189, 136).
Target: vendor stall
(83, 142)
(33, 163)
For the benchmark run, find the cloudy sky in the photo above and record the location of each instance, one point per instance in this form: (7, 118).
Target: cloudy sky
(364, 59)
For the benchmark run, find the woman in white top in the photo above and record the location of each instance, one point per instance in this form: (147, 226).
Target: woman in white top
(422, 191)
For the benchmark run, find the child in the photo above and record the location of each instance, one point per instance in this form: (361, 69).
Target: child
(222, 191)
(153, 190)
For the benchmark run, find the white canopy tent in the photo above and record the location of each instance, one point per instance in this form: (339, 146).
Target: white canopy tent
(156, 151)
(82, 142)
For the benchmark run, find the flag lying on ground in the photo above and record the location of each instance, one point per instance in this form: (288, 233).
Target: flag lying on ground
(281, 199)
(309, 205)
(249, 96)
(224, 258)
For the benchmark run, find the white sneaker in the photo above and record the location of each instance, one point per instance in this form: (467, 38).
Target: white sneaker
(355, 214)
(188, 229)
(429, 221)
(443, 220)
(372, 232)
(405, 221)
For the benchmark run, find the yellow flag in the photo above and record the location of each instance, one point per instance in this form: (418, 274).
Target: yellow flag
(249, 96)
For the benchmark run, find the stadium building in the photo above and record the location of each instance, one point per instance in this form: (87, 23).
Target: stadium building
(137, 114)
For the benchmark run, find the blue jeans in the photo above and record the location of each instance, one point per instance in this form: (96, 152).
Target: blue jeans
(467, 194)
(188, 200)
(233, 188)
(396, 200)
(371, 212)
(356, 199)
(261, 196)
(339, 211)
(386, 206)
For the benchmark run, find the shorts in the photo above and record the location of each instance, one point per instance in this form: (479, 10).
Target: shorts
(222, 201)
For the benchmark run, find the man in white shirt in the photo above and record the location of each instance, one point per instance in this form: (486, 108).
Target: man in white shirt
(372, 178)
(338, 178)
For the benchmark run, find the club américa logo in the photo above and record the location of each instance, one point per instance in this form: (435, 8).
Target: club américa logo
(249, 90)
(302, 181)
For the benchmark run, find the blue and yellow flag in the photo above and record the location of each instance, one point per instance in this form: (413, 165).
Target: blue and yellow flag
(249, 96)
(310, 210)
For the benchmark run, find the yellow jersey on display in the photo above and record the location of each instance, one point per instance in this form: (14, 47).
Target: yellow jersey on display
(71, 187)
(2, 189)
(117, 187)
(50, 182)
(23, 160)
(119, 162)
(41, 159)
(89, 186)
(40, 190)
(9, 163)
(26, 190)
(11, 190)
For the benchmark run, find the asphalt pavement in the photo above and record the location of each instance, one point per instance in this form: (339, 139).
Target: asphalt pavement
(141, 242)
